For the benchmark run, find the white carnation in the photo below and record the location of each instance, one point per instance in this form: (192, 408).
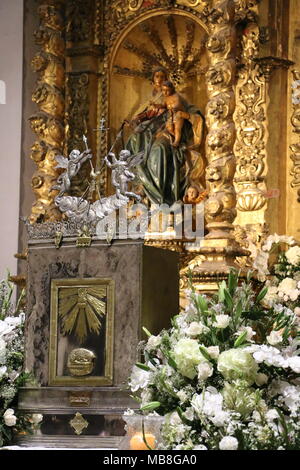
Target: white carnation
(271, 356)
(139, 378)
(228, 443)
(222, 321)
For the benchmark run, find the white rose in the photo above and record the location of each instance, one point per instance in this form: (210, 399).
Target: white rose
(293, 255)
(261, 379)
(222, 321)
(9, 418)
(200, 447)
(195, 329)
(213, 351)
(205, 370)
(287, 285)
(275, 337)
(36, 418)
(228, 443)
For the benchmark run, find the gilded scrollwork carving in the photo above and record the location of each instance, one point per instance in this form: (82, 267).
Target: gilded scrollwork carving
(77, 116)
(220, 207)
(250, 119)
(246, 10)
(48, 123)
(295, 120)
(78, 26)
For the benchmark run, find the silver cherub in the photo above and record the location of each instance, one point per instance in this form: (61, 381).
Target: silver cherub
(72, 166)
(121, 174)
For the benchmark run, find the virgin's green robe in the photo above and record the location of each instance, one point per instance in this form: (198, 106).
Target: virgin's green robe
(163, 172)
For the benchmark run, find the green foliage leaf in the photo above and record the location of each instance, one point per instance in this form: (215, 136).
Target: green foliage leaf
(261, 295)
(147, 332)
(228, 300)
(205, 353)
(232, 281)
(142, 366)
(240, 340)
(202, 304)
(238, 310)
(182, 417)
(153, 405)
(221, 291)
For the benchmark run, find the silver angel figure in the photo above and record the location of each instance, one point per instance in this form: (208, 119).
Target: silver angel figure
(121, 174)
(72, 166)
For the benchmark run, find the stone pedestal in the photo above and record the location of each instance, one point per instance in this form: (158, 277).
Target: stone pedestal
(143, 291)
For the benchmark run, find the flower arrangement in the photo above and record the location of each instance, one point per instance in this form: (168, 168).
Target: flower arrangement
(12, 375)
(226, 374)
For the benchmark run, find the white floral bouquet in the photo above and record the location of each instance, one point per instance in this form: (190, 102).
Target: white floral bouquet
(12, 375)
(226, 374)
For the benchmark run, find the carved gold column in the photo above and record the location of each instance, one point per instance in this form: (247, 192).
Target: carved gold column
(84, 51)
(250, 120)
(48, 123)
(219, 246)
(293, 125)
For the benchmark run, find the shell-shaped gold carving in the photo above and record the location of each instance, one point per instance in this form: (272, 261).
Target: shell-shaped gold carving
(81, 310)
(251, 199)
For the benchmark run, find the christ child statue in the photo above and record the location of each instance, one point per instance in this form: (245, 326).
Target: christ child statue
(176, 106)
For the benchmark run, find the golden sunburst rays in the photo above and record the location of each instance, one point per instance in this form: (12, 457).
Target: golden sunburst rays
(81, 310)
(165, 47)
